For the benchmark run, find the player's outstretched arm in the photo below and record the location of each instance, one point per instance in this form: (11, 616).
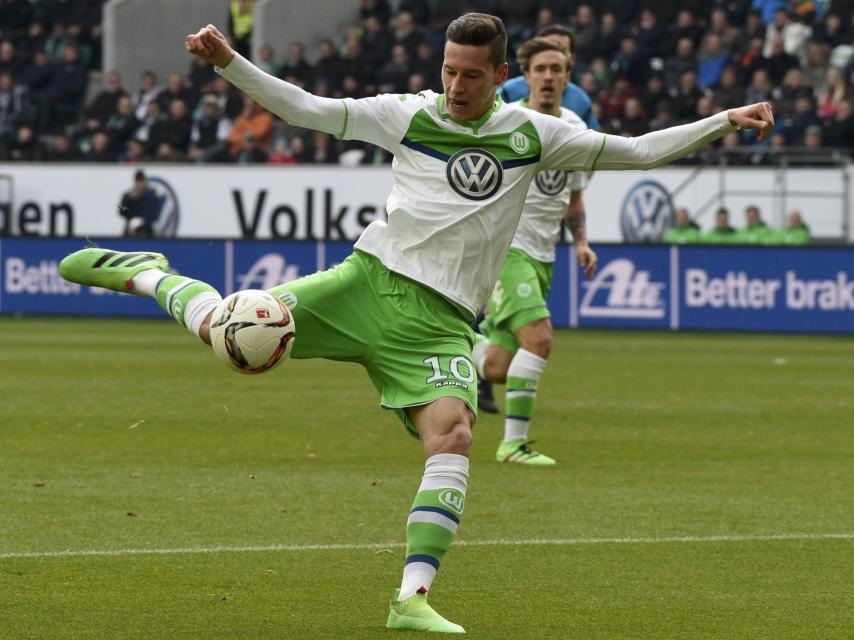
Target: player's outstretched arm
(289, 102)
(662, 147)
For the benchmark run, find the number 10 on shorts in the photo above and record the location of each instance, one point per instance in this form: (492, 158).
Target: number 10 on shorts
(459, 372)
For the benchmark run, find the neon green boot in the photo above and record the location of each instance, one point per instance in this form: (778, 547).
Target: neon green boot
(519, 452)
(114, 270)
(414, 614)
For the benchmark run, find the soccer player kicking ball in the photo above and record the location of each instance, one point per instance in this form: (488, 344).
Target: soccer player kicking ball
(401, 304)
(517, 329)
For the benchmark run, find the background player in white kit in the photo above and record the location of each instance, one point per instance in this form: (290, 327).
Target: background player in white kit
(402, 303)
(518, 328)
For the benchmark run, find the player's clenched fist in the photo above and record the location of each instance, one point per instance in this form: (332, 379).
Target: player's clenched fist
(210, 45)
(754, 116)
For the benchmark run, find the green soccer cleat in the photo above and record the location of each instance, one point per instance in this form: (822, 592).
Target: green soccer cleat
(520, 452)
(109, 269)
(414, 614)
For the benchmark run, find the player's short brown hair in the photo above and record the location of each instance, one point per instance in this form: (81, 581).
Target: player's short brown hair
(532, 47)
(479, 29)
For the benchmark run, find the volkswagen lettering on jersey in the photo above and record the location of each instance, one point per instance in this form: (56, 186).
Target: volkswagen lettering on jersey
(475, 174)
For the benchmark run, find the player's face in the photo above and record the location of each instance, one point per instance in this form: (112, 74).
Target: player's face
(470, 80)
(546, 76)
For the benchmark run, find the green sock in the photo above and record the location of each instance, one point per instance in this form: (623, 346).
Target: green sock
(522, 379)
(433, 520)
(188, 301)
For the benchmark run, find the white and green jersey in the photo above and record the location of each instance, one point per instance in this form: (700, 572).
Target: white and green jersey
(545, 204)
(459, 187)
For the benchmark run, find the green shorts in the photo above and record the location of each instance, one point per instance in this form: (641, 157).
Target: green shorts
(415, 344)
(519, 298)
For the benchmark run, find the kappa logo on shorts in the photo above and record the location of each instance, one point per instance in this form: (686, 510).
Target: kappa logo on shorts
(454, 500)
(519, 142)
(551, 182)
(290, 299)
(523, 290)
(475, 174)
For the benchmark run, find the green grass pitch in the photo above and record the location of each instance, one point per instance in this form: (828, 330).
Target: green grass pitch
(705, 489)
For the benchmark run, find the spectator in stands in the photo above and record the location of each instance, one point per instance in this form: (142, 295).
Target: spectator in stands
(649, 34)
(802, 117)
(56, 42)
(37, 75)
(711, 61)
(686, 231)
(295, 68)
(755, 230)
(839, 130)
(832, 93)
(833, 31)
(378, 9)
(393, 77)
(792, 34)
(752, 59)
(786, 95)
(610, 35)
(614, 100)
(768, 8)
(729, 92)
(60, 102)
(684, 60)
(815, 68)
(685, 27)
(201, 77)
(633, 123)
(135, 152)
(62, 150)
(140, 208)
(329, 68)
(267, 60)
(730, 37)
(148, 92)
(655, 94)
(280, 154)
(760, 87)
(176, 89)
(405, 32)
(150, 127)
(250, 150)
(813, 138)
(175, 130)
(778, 62)
(230, 101)
(376, 41)
(324, 151)
(359, 70)
(685, 96)
(240, 24)
(796, 231)
(629, 62)
(105, 103)
(254, 119)
(209, 135)
(415, 84)
(428, 67)
(722, 232)
(25, 147)
(13, 106)
(101, 149)
(122, 124)
(9, 60)
(586, 34)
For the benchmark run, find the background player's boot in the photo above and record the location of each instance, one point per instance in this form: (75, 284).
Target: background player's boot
(485, 398)
(520, 452)
(109, 269)
(414, 614)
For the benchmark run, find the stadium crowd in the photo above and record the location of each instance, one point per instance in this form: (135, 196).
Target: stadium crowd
(645, 65)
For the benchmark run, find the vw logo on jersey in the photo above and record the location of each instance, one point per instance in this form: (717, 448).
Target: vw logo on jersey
(474, 174)
(646, 213)
(166, 225)
(551, 182)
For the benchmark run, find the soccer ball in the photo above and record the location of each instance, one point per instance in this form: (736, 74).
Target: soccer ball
(252, 331)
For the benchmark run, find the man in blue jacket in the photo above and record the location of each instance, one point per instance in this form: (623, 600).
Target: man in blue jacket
(574, 97)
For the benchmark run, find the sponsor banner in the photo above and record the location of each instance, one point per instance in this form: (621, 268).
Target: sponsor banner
(630, 289)
(710, 288)
(325, 203)
(767, 289)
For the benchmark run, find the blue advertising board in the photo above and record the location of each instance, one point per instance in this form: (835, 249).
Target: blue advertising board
(799, 289)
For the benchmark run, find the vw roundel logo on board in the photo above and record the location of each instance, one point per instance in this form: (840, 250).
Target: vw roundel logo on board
(551, 182)
(474, 174)
(646, 213)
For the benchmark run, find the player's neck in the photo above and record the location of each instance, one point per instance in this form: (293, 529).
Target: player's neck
(553, 110)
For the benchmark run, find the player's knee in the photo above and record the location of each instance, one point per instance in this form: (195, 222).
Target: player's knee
(538, 340)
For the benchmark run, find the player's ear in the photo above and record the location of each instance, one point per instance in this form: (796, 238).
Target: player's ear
(501, 74)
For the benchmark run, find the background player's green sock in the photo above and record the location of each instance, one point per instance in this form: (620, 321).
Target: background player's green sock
(188, 301)
(433, 520)
(522, 378)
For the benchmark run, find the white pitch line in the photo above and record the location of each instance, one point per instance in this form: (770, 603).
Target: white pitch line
(559, 542)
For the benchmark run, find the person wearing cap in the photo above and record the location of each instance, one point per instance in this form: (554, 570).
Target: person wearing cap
(140, 208)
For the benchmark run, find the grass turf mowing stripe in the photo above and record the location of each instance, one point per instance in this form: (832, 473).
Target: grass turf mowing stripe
(70, 553)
